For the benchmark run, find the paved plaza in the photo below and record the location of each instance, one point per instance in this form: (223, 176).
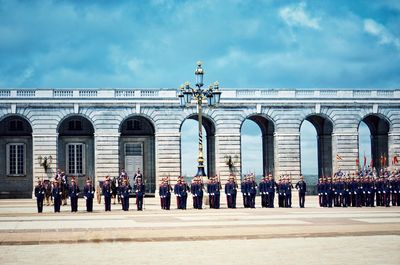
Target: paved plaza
(311, 235)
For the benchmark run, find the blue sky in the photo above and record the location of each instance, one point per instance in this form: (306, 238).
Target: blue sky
(252, 44)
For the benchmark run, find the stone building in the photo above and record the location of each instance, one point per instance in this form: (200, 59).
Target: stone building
(96, 132)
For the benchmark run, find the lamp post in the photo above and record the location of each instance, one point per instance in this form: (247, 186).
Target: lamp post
(213, 96)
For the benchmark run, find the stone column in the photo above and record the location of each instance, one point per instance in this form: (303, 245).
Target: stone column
(168, 156)
(394, 148)
(324, 155)
(268, 154)
(44, 145)
(228, 144)
(106, 155)
(287, 158)
(346, 146)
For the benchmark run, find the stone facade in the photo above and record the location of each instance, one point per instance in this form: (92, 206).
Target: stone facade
(96, 119)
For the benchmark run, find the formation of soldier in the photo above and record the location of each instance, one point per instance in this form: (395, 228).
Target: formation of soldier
(364, 188)
(58, 190)
(342, 190)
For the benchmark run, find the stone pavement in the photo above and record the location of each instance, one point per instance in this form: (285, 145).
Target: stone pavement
(311, 235)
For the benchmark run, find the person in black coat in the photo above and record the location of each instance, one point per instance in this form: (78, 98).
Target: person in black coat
(56, 194)
(124, 191)
(140, 191)
(301, 186)
(107, 192)
(88, 192)
(39, 194)
(73, 193)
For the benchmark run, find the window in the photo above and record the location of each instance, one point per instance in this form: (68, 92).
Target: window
(133, 125)
(16, 125)
(76, 159)
(16, 159)
(75, 125)
(133, 149)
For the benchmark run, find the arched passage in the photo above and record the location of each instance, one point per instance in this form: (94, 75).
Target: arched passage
(137, 149)
(324, 129)
(379, 129)
(16, 159)
(208, 147)
(75, 147)
(267, 142)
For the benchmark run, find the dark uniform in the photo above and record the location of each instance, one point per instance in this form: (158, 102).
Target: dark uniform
(124, 191)
(253, 192)
(73, 193)
(230, 191)
(262, 189)
(165, 194)
(39, 194)
(197, 192)
(107, 192)
(56, 194)
(301, 186)
(88, 193)
(140, 191)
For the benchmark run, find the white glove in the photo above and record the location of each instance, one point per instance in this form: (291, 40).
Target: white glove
(122, 196)
(85, 197)
(92, 192)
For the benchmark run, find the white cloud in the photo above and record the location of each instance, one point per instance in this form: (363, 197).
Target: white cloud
(296, 15)
(378, 30)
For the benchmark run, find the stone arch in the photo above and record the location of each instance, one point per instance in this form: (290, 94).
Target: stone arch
(379, 127)
(267, 127)
(75, 146)
(16, 156)
(324, 126)
(137, 148)
(210, 127)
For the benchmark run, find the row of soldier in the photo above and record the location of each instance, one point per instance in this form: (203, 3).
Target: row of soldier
(58, 190)
(363, 188)
(266, 188)
(344, 191)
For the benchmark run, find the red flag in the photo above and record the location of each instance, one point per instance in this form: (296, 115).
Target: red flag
(357, 162)
(365, 160)
(395, 160)
(384, 160)
(371, 163)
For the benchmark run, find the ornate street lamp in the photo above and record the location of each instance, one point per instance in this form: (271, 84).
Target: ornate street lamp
(213, 96)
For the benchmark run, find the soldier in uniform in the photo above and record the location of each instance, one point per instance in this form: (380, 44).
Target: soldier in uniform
(217, 192)
(184, 193)
(88, 192)
(177, 192)
(107, 192)
(197, 191)
(244, 187)
(124, 191)
(73, 193)
(56, 194)
(47, 192)
(210, 191)
(252, 191)
(167, 194)
(289, 188)
(301, 186)
(230, 191)
(39, 194)
(262, 189)
(271, 185)
(140, 191)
